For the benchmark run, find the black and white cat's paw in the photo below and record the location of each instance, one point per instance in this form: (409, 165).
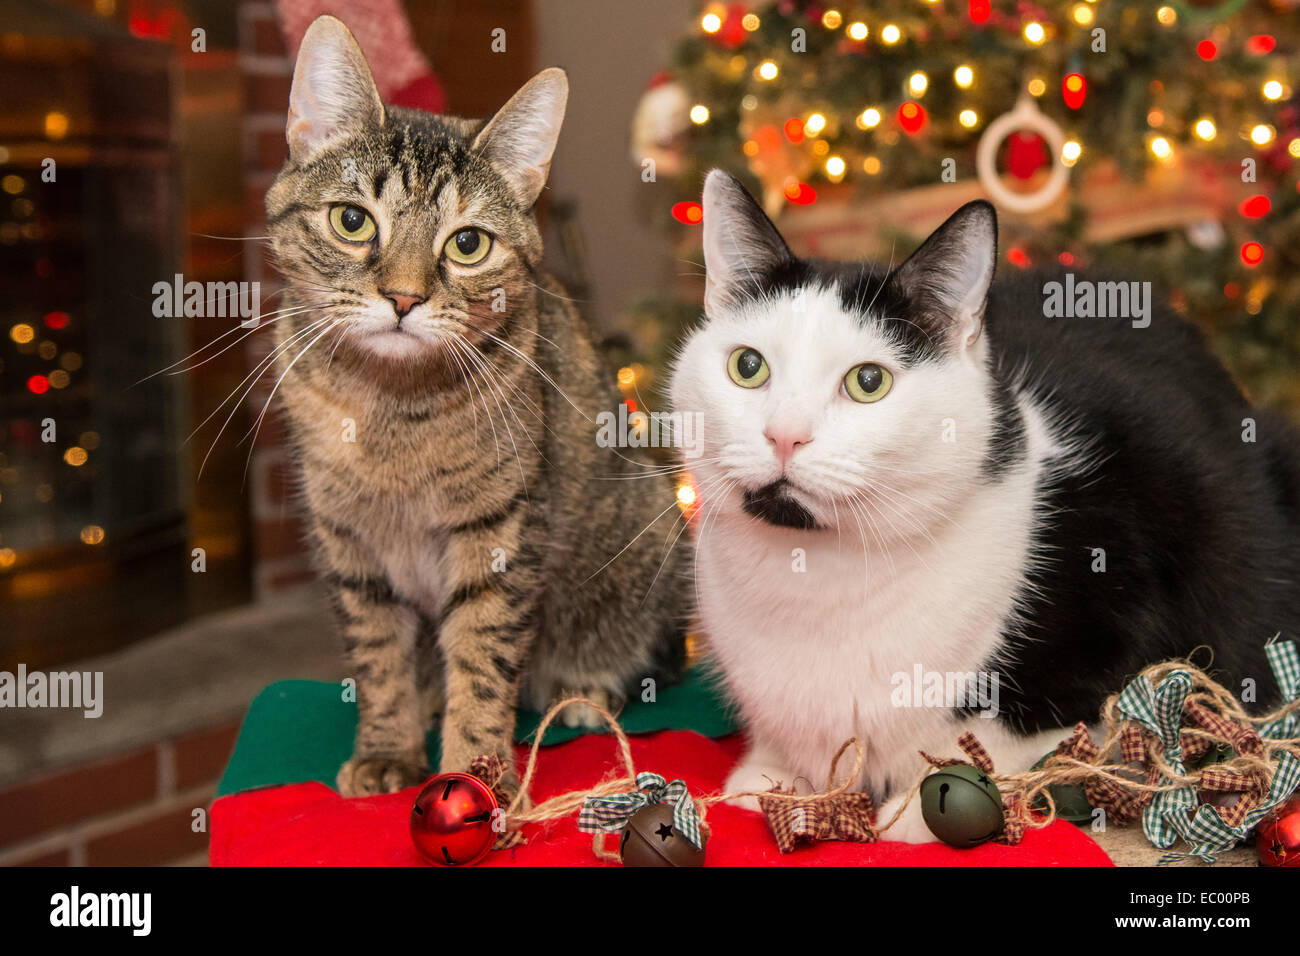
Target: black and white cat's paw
(909, 827)
(755, 776)
(364, 776)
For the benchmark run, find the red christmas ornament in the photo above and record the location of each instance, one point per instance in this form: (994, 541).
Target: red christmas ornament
(38, 385)
(1277, 838)
(979, 11)
(1252, 253)
(1026, 154)
(689, 213)
(1255, 207)
(1207, 50)
(451, 822)
(911, 116)
(1074, 90)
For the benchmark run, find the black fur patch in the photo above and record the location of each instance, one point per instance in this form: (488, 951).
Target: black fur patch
(773, 504)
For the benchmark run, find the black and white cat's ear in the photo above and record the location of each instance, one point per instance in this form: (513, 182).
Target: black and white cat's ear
(740, 242)
(953, 268)
(333, 94)
(520, 139)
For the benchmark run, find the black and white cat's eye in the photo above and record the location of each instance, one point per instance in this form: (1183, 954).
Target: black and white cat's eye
(747, 367)
(352, 223)
(868, 382)
(468, 247)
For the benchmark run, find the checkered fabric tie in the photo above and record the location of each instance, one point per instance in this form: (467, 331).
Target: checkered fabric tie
(610, 814)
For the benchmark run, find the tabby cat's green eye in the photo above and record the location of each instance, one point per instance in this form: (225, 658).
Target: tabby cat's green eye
(468, 247)
(352, 223)
(747, 367)
(868, 382)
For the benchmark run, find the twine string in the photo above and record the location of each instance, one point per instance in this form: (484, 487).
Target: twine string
(1032, 785)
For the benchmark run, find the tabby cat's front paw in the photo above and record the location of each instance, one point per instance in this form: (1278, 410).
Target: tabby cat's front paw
(380, 773)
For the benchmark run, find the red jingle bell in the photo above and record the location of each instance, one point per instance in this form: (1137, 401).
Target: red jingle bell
(451, 822)
(1277, 837)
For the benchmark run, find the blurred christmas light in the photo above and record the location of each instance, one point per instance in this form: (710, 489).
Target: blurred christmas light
(1255, 207)
(963, 76)
(38, 385)
(685, 495)
(1207, 50)
(60, 379)
(56, 124)
(8, 557)
(22, 333)
(1205, 129)
(12, 184)
(869, 118)
(1252, 253)
(979, 10)
(1293, 147)
(56, 320)
(800, 193)
(767, 70)
(857, 31)
(917, 83)
(711, 23)
(911, 116)
(1071, 150)
(1272, 90)
(750, 22)
(835, 168)
(1262, 134)
(699, 114)
(871, 165)
(690, 213)
(1074, 89)
(814, 124)
(1161, 148)
(891, 34)
(92, 534)
(1034, 32)
(831, 19)
(1260, 44)
(1167, 15)
(968, 118)
(1037, 86)
(1082, 14)
(75, 456)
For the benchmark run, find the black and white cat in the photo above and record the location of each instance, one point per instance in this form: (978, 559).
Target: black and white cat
(913, 473)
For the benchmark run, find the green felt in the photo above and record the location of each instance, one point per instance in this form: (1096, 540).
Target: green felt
(300, 730)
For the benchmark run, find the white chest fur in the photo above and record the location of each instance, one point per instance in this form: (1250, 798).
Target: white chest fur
(812, 629)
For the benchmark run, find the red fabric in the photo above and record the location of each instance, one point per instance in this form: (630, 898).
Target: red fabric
(310, 825)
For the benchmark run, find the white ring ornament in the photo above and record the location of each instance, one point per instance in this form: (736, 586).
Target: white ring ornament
(1025, 115)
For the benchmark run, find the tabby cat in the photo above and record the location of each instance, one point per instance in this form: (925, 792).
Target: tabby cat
(442, 396)
(920, 472)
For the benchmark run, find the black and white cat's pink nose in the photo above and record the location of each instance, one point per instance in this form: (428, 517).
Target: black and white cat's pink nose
(402, 303)
(786, 440)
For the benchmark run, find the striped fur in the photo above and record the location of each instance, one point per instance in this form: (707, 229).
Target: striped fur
(462, 511)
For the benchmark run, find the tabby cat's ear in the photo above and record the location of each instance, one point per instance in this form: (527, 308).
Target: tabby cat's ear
(740, 242)
(333, 94)
(520, 139)
(953, 268)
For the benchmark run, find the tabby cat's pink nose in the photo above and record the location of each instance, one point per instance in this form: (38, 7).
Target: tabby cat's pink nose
(402, 303)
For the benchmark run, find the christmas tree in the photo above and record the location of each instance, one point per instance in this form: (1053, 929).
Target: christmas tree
(1164, 140)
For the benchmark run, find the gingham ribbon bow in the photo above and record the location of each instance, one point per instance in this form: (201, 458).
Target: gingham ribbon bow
(846, 816)
(1205, 830)
(1160, 710)
(611, 814)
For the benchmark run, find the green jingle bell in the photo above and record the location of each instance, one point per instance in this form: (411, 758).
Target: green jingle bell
(1070, 799)
(961, 806)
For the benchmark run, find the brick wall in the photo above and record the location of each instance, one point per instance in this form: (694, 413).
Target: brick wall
(279, 555)
(134, 809)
